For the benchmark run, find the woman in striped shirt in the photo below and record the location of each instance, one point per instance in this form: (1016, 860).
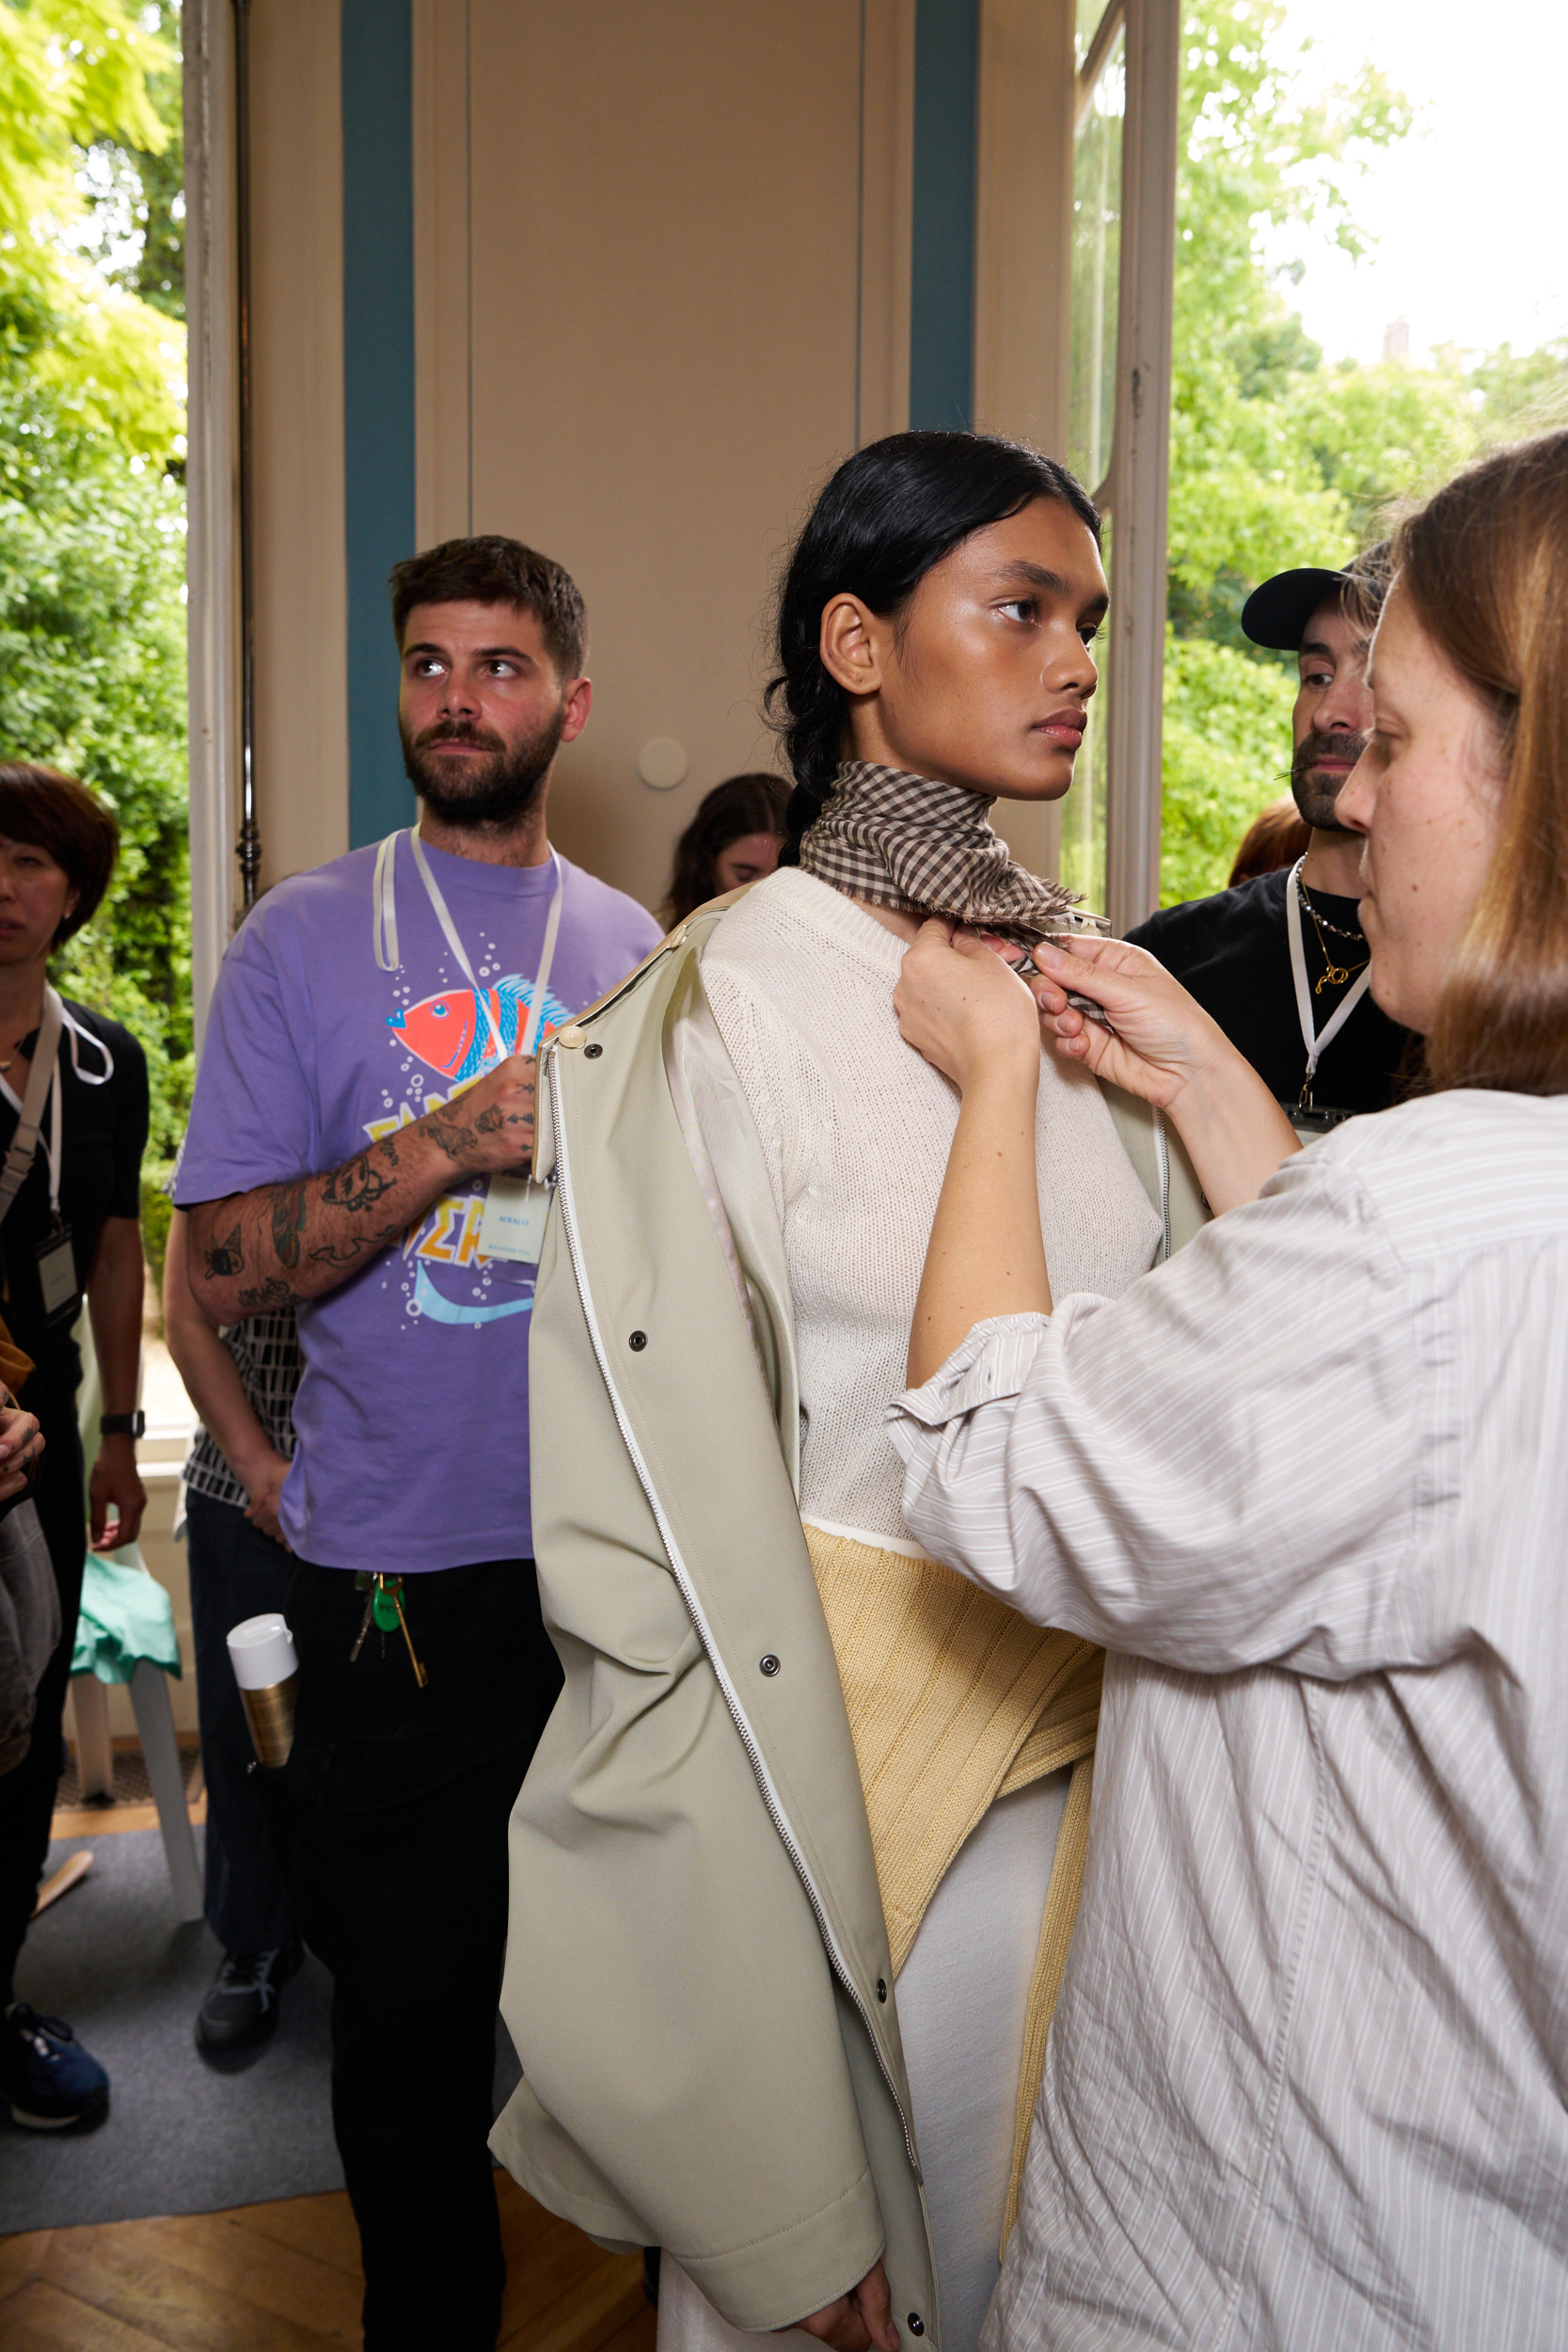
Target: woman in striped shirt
(1307, 2081)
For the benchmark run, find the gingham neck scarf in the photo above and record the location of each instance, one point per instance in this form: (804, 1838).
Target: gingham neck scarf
(901, 841)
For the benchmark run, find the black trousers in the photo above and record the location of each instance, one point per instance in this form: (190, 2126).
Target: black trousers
(27, 1791)
(236, 1572)
(391, 1818)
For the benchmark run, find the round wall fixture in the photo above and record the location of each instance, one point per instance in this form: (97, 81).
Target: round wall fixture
(662, 764)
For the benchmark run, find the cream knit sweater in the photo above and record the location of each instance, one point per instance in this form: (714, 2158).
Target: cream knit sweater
(855, 1128)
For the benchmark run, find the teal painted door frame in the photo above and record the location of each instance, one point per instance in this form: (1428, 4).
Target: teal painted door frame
(378, 391)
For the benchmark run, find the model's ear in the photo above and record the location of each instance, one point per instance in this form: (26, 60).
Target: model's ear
(850, 645)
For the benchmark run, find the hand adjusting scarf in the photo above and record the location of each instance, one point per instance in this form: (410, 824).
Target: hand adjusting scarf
(926, 848)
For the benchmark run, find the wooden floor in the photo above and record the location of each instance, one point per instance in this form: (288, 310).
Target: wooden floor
(285, 2278)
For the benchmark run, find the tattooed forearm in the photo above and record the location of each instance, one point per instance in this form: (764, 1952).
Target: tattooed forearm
(457, 1141)
(300, 1239)
(348, 1253)
(361, 1183)
(224, 1257)
(288, 1222)
(275, 1292)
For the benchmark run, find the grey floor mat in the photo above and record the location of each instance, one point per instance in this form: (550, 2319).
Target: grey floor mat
(181, 2134)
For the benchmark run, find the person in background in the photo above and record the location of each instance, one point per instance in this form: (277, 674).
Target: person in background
(367, 1076)
(1277, 835)
(241, 1382)
(734, 839)
(71, 1227)
(1281, 962)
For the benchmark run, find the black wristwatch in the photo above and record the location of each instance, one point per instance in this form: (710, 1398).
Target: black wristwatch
(122, 1425)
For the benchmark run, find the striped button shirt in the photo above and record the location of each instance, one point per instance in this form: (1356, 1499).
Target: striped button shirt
(1306, 2086)
(265, 1349)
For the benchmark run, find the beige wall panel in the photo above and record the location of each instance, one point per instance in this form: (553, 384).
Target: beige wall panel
(443, 492)
(301, 593)
(1022, 287)
(666, 225)
(887, 192)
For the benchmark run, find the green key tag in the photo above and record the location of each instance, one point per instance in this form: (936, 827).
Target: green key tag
(385, 1609)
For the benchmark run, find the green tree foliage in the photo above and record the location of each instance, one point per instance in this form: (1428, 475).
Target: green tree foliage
(1277, 459)
(1227, 719)
(75, 74)
(93, 679)
(92, 620)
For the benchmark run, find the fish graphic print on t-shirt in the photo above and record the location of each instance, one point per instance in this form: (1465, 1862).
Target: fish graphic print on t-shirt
(452, 1035)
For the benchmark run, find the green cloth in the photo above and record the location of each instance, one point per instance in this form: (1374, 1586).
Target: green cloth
(126, 1616)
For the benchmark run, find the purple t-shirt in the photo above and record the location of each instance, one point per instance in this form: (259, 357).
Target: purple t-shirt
(412, 1415)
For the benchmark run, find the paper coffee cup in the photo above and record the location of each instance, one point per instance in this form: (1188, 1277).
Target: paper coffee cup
(266, 1667)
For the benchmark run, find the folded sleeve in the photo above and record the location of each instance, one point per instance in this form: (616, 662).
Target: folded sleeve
(1224, 1467)
(254, 1117)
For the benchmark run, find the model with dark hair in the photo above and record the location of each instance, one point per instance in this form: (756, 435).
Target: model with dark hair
(935, 637)
(72, 1230)
(935, 647)
(734, 839)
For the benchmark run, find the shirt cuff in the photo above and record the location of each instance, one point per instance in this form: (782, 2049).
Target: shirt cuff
(993, 1361)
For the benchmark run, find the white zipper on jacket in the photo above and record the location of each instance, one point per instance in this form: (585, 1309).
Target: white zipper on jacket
(732, 1698)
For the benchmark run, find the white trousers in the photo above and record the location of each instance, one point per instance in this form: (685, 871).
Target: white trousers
(961, 2000)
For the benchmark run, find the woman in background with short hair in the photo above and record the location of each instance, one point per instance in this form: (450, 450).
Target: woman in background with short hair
(74, 1228)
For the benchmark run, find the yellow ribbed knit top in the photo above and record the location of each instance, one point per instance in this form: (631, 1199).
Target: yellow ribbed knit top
(955, 1700)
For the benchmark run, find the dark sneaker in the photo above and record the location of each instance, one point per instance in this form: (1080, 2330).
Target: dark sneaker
(46, 2075)
(241, 2007)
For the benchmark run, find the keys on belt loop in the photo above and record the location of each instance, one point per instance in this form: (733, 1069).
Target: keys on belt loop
(384, 1609)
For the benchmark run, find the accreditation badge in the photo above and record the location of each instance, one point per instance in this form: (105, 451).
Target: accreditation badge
(56, 1259)
(515, 1213)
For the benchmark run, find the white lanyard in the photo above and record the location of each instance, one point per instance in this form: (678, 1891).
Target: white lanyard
(516, 1207)
(384, 920)
(1316, 1041)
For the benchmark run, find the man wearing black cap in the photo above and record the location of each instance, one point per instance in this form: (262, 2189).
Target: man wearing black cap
(1280, 961)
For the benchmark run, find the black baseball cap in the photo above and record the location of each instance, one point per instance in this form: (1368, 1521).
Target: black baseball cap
(1277, 614)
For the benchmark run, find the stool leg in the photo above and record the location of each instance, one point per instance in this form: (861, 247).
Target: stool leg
(161, 1752)
(95, 1761)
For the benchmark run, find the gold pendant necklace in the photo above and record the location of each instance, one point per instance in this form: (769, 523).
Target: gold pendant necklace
(1333, 975)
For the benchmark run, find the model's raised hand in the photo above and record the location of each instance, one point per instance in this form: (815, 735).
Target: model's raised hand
(963, 1008)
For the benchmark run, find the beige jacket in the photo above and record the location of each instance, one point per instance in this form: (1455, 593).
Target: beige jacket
(698, 1979)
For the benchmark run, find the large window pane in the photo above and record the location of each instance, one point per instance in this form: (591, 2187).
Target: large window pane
(1089, 14)
(1095, 278)
(1096, 269)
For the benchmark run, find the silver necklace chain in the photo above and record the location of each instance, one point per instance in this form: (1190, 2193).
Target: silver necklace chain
(1358, 937)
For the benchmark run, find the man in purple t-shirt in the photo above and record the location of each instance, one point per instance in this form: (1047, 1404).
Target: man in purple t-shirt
(359, 1143)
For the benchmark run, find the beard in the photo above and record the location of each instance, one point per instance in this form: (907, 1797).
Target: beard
(494, 791)
(1315, 796)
